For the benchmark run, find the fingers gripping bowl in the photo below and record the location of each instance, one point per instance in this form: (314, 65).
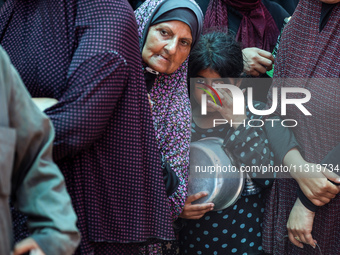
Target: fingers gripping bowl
(212, 169)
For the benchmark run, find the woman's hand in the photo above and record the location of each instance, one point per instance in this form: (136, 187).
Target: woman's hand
(195, 212)
(44, 102)
(300, 225)
(226, 110)
(316, 186)
(27, 245)
(257, 61)
(312, 178)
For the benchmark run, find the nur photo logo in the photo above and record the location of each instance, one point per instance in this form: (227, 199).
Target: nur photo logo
(204, 96)
(281, 98)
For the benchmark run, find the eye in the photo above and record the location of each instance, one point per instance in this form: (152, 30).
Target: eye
(200, 81)
(185, 43)
(163, 32)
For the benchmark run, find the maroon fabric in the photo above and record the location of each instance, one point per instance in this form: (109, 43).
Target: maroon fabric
(306, 52)
(245, 6)
(257, 28)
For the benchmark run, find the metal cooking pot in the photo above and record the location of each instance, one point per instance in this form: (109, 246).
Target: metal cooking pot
(212, 170)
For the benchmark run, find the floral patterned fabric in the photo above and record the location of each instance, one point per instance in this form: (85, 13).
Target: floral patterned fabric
(171, 114)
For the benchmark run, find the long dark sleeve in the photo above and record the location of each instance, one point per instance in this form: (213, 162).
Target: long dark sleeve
(282, 139)
(96, 81)
(250, 147)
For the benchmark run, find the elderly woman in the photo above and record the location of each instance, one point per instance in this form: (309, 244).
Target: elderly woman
(168, 30)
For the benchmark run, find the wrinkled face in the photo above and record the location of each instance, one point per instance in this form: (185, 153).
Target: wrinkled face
(330, 1)
(167, 46)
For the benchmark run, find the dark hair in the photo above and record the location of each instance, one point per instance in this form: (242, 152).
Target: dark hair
(219, 52)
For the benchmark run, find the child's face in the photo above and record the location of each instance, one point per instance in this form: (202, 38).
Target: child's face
(209, 77)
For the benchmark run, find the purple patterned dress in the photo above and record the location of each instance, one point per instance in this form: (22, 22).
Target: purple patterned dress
(171, 115)
(86, 55)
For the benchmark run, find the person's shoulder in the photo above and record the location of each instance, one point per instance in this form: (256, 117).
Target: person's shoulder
(110, 24)
(118, 10)
(277, 11)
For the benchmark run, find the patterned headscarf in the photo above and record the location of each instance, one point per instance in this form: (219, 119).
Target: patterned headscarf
(257, 28)
(171, 107)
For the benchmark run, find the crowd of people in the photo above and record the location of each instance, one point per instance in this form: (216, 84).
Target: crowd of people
(99, 105)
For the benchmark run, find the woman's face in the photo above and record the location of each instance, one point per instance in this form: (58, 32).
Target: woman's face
(167, 46)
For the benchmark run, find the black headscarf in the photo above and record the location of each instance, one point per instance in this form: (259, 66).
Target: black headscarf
(181, 10)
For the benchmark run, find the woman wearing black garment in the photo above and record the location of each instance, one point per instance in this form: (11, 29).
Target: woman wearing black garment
(314, 55)
(256, 25)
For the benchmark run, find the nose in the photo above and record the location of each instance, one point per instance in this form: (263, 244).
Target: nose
(171, 47)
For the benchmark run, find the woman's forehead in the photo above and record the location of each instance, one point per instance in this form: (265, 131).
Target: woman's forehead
(177, 27)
